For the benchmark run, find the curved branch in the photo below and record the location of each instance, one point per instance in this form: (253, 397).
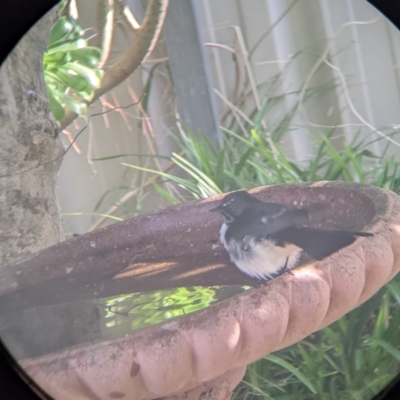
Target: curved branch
(141, 46)
(105, 28)
(128, 17)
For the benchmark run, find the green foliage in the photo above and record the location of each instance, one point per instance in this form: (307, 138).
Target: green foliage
(70, 68)
(256, 160)
(354, 358)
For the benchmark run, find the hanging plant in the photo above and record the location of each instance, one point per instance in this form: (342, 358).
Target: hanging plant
(70, 68)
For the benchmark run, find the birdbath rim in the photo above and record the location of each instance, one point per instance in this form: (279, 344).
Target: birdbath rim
(224, 338)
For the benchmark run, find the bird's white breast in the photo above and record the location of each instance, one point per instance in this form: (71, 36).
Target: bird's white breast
(267, 259)
(264, 259)
(222, 232)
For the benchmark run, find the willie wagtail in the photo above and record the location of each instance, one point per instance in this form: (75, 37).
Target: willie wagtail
(265, 239)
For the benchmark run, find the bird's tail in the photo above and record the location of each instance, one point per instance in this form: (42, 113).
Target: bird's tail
(321, 243)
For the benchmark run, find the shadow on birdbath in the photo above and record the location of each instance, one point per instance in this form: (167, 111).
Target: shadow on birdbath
(203, 354)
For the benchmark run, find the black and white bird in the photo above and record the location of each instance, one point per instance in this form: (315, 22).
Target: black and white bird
(265, 239)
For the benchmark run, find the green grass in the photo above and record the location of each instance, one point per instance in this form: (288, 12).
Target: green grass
(354, 358)
(257, 160)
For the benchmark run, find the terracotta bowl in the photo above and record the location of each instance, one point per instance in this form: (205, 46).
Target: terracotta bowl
(204, 354)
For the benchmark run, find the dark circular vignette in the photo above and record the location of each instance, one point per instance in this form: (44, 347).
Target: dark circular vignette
(17, 17)
(389, 8)
(14, 382)
(391, 391)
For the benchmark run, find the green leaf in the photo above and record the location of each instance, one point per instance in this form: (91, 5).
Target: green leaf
(184, 183)
(292, 370)
(259, 116)
(68, 45)
(88, 56)
(196, 173)
(61, 30)
(164, 194)
(369, 154)
(86, 94)
(74, 105)
(242, 161)
(388, 348)
(147, 87)
(131, 154)
(394, 289)
(75, 82)
(58, 58)
(219, 174)
(91, 75)
(56, 108)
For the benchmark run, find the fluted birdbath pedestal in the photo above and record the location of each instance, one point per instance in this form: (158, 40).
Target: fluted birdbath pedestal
(203, 355)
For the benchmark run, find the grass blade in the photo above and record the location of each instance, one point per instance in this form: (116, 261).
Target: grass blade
(293, 370)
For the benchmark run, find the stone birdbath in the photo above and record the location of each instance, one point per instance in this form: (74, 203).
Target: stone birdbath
(202, 355)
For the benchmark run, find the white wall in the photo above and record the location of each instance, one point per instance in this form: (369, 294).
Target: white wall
(368, 55)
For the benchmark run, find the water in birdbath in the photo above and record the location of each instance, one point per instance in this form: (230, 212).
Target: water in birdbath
(40, 330)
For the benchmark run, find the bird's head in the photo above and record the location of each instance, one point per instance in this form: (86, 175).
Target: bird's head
(233, 204)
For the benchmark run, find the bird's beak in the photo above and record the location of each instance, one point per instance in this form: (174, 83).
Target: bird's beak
(216, 209)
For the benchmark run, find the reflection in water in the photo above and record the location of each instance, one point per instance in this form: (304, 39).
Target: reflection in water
(45, 329)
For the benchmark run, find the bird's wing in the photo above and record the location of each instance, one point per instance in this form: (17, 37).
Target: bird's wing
(263, 220)
(319, 243)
